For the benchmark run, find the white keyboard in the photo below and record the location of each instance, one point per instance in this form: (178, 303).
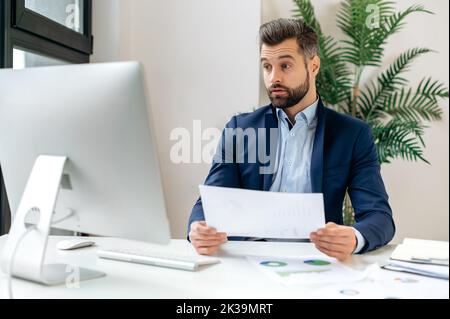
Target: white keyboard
(157, 258)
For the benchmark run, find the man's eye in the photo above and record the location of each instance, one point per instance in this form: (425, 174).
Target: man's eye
(285, 66)
(266, 67)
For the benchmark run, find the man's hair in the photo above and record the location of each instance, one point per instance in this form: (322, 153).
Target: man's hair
(277, 31)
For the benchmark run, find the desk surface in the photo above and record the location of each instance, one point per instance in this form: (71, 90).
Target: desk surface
(233, 278)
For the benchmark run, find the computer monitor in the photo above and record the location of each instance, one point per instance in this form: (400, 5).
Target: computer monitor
(77, 152)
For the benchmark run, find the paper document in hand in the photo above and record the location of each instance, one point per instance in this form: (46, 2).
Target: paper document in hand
(249, 213)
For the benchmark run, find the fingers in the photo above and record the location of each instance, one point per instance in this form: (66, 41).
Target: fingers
(333, 232)
(208, 247)
(209, 243)
(207, 250)
(339, 248)
(332, 242)
(206, 240)
(335, 240)
(194, 235)
(338, 251)
(202, 228)
(197, 236)
(332, 253)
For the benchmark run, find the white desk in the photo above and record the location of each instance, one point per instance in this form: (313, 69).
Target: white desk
(233, 278)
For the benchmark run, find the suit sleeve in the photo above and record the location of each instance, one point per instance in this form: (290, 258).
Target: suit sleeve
(373, 214)
(224, 171)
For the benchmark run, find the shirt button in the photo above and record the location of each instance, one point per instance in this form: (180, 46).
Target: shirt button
(293, 134)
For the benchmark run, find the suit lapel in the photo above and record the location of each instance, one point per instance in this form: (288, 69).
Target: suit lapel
(271, 122)
(317, 154)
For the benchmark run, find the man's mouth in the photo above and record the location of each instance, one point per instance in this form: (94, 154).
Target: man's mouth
(278, 91)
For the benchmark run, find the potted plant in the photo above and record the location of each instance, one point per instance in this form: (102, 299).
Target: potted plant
(396, 112)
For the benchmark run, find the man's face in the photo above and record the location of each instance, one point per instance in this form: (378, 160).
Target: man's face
(286, 73)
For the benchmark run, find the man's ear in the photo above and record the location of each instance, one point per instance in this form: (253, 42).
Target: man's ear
(315, 64)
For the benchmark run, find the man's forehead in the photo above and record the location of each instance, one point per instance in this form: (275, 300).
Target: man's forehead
(286, 48)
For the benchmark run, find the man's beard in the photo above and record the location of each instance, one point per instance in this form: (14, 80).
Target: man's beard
(292, 97)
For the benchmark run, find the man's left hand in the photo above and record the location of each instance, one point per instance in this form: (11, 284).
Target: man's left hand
(335, 241)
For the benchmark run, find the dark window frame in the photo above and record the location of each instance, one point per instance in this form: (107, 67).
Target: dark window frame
(4, 205)
(32, 22)
(46, 37)
(3, 30)
(25, 29)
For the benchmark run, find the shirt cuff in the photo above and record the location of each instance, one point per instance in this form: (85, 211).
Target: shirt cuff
(361, 241)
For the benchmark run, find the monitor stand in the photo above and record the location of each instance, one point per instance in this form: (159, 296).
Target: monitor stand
(26, 246)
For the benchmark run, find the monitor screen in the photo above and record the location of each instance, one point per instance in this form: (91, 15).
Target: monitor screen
(96, 115)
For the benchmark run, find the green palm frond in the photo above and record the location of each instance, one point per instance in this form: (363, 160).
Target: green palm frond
(373, 95)
(305, 11)
(354, 19)
(391, 78)
(416, 106)
(366, 44)
(395, 112)
(433, 89)
(393, 23)
(334, 76)
(399, 139)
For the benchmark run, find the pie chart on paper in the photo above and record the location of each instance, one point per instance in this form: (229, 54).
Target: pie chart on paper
(273, 264)
(317, 262)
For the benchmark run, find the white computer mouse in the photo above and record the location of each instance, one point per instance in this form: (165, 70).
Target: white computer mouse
(74, 243)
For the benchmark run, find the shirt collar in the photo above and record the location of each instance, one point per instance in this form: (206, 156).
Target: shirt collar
(309, 113)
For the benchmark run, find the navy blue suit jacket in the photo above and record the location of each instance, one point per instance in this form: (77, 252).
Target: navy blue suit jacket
(344, 157)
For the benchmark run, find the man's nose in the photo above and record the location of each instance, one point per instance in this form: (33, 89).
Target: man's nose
(275, 77)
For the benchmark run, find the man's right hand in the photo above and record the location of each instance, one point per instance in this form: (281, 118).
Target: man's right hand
(206, 240)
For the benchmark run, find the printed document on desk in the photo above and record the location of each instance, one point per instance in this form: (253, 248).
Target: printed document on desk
(422, 251)
(249, 213)
(308, 270)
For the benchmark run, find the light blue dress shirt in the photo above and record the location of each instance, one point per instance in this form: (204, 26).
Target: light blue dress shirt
(294, 152)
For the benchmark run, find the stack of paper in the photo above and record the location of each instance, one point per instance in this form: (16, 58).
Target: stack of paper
(434, 271)
(421, 257)
(422, 251)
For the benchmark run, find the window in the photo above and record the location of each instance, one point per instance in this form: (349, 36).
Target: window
(41, 33)
(26, 59)
(66, 22)
(68, 13)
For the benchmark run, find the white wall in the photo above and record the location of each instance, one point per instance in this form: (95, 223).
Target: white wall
(202, 63)
(201, 59)
(418, 192)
